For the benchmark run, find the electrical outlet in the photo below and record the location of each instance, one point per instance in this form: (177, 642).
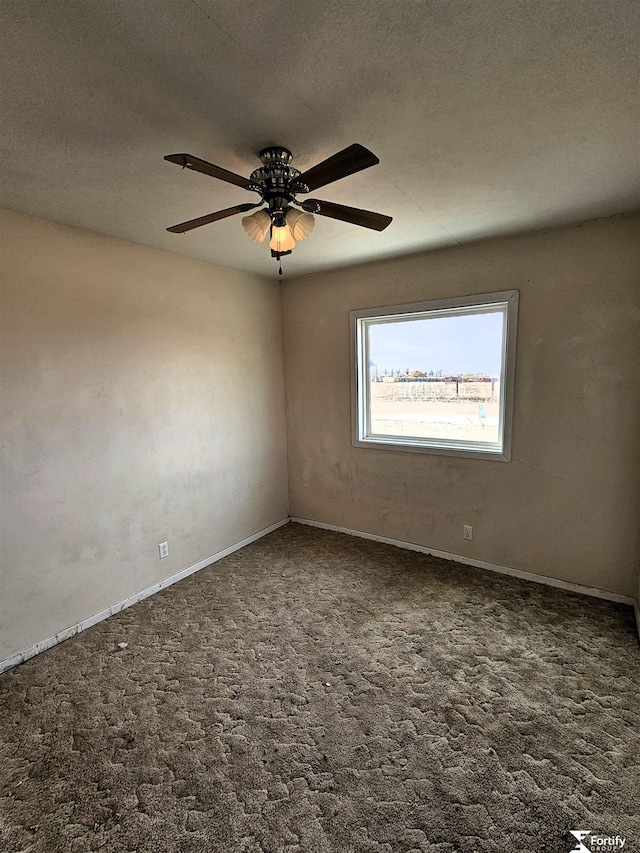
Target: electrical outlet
(467, 531)
(163, 548)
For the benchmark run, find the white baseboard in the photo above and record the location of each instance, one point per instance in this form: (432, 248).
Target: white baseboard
(21, 657)
(26, 654)
(480, 564)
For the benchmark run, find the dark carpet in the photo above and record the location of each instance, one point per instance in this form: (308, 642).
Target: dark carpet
(317, 693)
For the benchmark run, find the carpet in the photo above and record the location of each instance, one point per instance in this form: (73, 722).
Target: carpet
(318, 693)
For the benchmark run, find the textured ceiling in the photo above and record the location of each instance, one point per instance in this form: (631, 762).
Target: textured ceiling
(489, 117)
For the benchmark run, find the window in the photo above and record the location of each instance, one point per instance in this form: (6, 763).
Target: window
(436, 377)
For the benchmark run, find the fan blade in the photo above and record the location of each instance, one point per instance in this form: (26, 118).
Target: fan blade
(198, 165)
(347, 162)
(365, 218)
(211, 217)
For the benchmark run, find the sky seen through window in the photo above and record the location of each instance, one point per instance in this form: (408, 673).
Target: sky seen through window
(469, 343)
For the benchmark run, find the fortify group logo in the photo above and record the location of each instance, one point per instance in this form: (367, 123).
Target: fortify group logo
(596, 843)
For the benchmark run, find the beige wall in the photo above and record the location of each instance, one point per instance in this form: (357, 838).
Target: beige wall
(568, 505)
(142, 401)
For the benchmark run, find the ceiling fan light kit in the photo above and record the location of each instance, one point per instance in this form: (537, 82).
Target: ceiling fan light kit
(278, 185)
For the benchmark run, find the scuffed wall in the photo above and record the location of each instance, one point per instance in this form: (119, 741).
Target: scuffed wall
(142, 401)
(567, 505)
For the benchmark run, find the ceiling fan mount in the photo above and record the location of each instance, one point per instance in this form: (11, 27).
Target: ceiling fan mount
(278, 185)
(275, 154)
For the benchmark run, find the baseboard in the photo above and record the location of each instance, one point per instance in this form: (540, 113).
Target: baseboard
(21, 657)
(480, 564)
(26, 654)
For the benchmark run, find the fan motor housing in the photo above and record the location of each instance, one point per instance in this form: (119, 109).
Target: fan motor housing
(276, 179)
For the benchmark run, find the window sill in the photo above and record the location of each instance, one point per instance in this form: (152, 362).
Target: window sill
(442, 448)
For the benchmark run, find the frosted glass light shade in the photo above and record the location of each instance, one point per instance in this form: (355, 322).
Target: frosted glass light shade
(300, 222)
(257, 225)
(281, 239)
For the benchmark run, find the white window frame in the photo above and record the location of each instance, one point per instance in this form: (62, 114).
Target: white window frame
(361, 321)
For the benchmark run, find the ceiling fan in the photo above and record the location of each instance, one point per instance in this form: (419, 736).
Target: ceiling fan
(278, 183)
